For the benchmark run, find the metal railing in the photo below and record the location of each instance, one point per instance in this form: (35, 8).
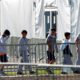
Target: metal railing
(37, 53)
(37, 62)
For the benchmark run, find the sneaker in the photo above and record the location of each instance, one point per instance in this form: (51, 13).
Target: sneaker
(64, 73)
(2, 73)
(76, 72)
(49, 72)
(31, 72)
(19, 73)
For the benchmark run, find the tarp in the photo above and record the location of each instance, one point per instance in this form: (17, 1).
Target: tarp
(75, 28)
(63, 24)
(39, 19)
(16, 15)
(78, 21)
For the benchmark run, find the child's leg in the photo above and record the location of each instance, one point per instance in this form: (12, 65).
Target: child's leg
(26, 60)
(20, 68)
(51, 60)
(51, 57)
(3, 58)
(67, 61)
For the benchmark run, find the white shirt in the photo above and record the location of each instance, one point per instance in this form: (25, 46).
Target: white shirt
(65, 43)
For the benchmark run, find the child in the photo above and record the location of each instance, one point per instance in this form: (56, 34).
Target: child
(77, 70)
(52, 47)
(66, 52)
(24, 52)
(3, 51)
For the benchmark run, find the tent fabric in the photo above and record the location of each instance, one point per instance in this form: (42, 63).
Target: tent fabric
(74, 6)
(63, 24)
(63, 17)
(75, 19)
(78, 23)
(16, 15)
(39, 19)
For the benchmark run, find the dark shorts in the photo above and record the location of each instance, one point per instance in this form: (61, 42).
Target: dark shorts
(50, 55)
(3, 58)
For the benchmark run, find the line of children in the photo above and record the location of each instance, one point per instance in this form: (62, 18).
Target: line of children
(65, 47)
(24, 51)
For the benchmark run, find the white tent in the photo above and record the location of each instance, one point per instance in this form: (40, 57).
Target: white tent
(17, 15)
(68, 17)
(63, 18)
(75, 18)
(63, 24)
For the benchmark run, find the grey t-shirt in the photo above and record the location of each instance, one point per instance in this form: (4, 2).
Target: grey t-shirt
(52, 40)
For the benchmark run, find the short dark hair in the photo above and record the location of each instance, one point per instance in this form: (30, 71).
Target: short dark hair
(67, 34)
(53, 30)
(6, 33)
(24, 31)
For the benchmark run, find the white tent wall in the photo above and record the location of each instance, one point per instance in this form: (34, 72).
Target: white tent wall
(75, 22)
(63, 17)
(63, 24)
(16, 15)
(78, 22)
(39, 20)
